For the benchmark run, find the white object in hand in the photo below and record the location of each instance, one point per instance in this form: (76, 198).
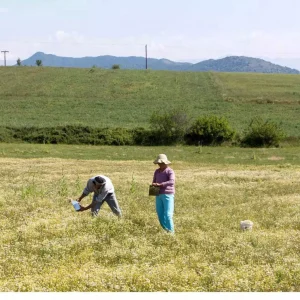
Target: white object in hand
(246, 225)
(76, 204)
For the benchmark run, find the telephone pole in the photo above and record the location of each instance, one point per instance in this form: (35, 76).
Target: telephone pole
(146, 53)
(5, 51)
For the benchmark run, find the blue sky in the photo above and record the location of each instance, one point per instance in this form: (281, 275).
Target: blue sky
(190, 30)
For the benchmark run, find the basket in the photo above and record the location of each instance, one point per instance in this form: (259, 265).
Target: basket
(154, 190)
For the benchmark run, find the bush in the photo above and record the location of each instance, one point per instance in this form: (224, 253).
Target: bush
(72, 134)
(115, 67)
(209, 130)
(77, 134)
(145, 137)
(262, 133)
(169, 128)
(39, 62)
(116, 136)
(6, 135)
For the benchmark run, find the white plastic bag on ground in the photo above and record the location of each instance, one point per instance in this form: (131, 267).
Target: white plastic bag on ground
(246, 225)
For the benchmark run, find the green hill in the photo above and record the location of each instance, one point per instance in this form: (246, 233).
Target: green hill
(43, 97)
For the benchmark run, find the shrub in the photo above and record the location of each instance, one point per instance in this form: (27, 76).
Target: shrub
(115, 67)
(144, 137)
(209, 130)
(71, 134)
(6, 135)
(116, 136)
(170, 127)
(262, 133)
(39, 62)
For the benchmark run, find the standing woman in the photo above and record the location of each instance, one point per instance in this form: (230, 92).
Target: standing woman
(164, 177)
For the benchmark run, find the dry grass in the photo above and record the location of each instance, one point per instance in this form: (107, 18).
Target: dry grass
(46, 246)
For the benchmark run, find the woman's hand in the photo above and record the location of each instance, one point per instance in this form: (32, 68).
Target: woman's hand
(156, 184)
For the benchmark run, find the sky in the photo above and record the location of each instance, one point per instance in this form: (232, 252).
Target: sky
(189, 30)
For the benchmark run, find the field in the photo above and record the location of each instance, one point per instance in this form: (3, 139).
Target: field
(46, 246)
(45, 97)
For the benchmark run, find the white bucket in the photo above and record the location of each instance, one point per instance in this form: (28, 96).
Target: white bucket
(246, 225)
(75, 204)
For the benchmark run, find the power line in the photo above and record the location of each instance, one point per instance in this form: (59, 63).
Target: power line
(4, 52)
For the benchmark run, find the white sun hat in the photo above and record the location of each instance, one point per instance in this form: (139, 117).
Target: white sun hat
(162, 159)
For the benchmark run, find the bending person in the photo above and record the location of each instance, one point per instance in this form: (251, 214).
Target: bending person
(104, 191)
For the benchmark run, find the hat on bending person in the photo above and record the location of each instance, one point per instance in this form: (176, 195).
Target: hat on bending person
(98, 180)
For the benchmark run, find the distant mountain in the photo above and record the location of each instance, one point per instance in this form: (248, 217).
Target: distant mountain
(106, 61)
(288, 62)
(241, 64)
(227, 64)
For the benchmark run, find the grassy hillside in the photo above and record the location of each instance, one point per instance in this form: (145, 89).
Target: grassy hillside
(259, 88)
(32, 96)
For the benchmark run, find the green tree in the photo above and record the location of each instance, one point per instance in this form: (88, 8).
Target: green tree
(19, 63)
(115, 67)
(262, 133)
(209, 130)
(39, 62)
(169, 127)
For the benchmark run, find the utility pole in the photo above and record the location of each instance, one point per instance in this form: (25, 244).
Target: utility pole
(5, 51)
(146, 52)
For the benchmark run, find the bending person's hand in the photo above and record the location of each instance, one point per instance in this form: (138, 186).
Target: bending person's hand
(82, 208)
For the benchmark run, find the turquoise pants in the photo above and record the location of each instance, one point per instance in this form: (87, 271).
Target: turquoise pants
(165, 210)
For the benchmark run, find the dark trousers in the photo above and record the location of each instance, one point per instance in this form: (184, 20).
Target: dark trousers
(112, 202)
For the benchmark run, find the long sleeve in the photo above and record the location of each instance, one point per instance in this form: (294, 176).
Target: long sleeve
(88, 189)
(171, 179)
(154, 178)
